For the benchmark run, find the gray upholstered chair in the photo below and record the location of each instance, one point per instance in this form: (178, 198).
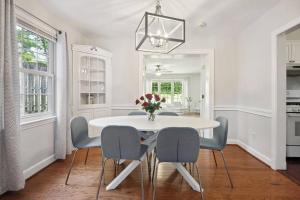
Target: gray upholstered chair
(218, 142)
(122, 142)
(177, 145)
(81, 139)
(168, 113)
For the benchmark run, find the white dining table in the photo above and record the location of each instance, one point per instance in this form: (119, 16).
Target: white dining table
(141, 123)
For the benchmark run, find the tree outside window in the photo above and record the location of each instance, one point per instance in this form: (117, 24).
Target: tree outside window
(36, 71)
(172, 91)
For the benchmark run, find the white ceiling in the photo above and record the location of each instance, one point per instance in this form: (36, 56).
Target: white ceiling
(175, 63)
(121, 17)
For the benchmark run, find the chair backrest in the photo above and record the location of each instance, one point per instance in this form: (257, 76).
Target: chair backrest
(121, 142)
(177, 145)
(168, 113)
(137, 113)
(220, 133)
(79, 130)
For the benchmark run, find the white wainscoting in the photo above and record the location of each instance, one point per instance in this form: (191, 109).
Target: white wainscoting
(253, 130)
(37, 145)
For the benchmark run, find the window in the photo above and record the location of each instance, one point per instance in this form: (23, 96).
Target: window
(36, 60)
(172, 90)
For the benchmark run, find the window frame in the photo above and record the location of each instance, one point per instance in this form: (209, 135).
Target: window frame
(50, 73)
(184, 83)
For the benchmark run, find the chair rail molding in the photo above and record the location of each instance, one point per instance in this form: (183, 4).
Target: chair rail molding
(124, 107)
(245, 109)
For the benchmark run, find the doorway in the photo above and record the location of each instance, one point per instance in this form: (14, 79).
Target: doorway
(184, 77)
(281, 61)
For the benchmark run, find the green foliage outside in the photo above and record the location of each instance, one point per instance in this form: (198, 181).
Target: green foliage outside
(33, 49)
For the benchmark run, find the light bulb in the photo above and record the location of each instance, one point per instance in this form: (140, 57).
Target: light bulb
(158, 73)
(158, 32)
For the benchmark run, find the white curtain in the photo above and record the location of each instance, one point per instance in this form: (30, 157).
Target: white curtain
(11, 173)
(62, 136)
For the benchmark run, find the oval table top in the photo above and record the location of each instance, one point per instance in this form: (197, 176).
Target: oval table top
(141, 122)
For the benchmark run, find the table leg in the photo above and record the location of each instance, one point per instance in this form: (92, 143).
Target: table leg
(187, 176)
(124, 173)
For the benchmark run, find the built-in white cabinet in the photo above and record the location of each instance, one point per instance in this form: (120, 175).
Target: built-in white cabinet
(293, 51)
(91, 82)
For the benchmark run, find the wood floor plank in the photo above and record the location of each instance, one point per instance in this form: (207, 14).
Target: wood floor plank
(251, 178)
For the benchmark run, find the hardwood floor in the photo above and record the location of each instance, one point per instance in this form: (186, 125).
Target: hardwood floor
(251, 178)
(293, 169)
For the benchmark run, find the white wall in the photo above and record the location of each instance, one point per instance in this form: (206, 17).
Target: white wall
(254, 76)
(125, 69)
(37, 138)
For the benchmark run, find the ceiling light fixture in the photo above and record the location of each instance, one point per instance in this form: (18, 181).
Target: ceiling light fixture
(159, 33)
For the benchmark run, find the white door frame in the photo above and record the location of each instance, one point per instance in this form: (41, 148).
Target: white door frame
(278, 136)
(211, 66)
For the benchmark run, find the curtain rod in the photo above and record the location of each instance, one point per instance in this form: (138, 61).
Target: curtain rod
(59, 31)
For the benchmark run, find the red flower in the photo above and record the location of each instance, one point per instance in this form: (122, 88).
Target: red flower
(157, 98)
(149, 96)
(137, 102)
(145, 104)
(142, 98)
(163, 100)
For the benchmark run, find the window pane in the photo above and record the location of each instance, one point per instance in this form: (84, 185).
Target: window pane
(177, 87)
(33, 49)
(36, 56)
(154, 87)
(165, 88)
(166, 91)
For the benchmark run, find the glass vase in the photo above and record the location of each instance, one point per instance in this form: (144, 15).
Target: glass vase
(151, 116)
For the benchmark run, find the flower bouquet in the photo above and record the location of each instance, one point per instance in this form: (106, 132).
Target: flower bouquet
(150, 103)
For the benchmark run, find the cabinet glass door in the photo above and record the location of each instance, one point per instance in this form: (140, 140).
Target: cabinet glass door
(92, 80)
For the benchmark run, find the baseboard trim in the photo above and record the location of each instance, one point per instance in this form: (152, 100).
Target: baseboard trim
(254, 152)
(38, 166)
(266, 160)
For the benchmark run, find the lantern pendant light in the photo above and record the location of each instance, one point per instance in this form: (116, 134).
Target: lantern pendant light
(159, 33)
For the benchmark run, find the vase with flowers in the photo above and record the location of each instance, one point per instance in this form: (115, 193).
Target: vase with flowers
(150, 103)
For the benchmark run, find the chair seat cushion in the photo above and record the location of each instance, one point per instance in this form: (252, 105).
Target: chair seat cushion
(208, 143)
(89, 143)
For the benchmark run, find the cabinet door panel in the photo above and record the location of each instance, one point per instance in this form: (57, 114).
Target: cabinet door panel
(295, 56)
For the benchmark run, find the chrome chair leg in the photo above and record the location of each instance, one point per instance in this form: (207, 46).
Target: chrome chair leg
(148, 166)
(101, 177)
(142, 181)
(215, 158)
(153, 171)
(155, 181)
(227, 169)
(199, 181)
(103, 159)
(115, 165)
(71, 166)
(87, 154)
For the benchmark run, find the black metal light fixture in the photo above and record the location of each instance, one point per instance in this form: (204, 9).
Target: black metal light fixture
(159, 33)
